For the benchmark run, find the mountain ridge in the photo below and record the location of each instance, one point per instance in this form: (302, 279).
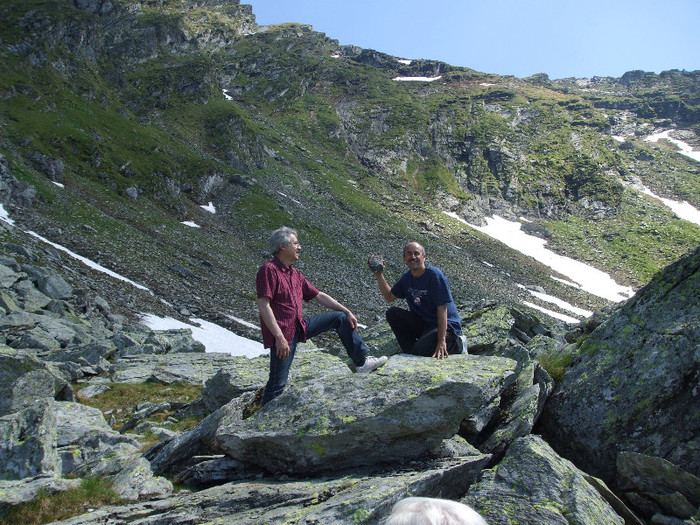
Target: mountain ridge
(144, 111)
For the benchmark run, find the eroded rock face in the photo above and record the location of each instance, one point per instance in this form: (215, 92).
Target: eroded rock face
(633, 386)
(533, 485)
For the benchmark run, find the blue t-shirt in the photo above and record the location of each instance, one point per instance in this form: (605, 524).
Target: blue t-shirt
(426, 293)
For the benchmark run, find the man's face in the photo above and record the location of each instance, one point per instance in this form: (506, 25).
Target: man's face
(290, 251)
(414, 256)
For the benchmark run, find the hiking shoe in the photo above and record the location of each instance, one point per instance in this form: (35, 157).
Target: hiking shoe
(462, 342)
(371, 363)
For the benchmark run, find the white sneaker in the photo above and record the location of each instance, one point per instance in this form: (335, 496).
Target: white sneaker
(463, 344)
(371, 363)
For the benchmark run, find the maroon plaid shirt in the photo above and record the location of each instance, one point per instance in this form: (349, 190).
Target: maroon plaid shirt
(287, 288)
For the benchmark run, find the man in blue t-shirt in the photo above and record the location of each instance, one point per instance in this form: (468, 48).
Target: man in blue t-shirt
(431, 326)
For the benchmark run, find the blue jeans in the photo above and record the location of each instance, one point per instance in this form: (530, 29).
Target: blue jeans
(316, 324)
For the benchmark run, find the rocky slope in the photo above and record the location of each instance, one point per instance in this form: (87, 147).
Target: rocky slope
(337, 447)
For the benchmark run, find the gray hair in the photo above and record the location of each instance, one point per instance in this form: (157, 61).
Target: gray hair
(279, 237)
(433, 511)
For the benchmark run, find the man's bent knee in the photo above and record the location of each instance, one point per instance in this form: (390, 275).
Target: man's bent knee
(393, 313)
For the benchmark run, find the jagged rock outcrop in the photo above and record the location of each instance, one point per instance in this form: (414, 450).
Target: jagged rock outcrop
(532, 484)
(351, 498)
(402, 430)
(633, 386)
(50, 338)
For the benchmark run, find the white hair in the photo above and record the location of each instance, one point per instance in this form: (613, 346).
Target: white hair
(433, 511)
(279, 237)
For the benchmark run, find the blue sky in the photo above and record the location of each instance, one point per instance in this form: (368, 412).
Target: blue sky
(562, 38)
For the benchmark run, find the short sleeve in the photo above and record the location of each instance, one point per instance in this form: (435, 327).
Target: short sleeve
(266, 282)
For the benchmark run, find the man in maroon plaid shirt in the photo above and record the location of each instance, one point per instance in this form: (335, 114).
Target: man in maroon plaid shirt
(281, 289)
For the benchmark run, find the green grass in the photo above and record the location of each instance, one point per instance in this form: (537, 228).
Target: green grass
(163, 125)
(631, 245)
(47, 507)
(555, 362)
(121, 398)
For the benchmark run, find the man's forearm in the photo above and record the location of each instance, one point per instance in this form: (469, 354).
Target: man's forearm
(442, 323)
(441, 346)
(384, 287)
(329, 302)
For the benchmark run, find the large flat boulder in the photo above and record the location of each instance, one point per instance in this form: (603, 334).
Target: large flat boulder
(342, 420)
(336, 420)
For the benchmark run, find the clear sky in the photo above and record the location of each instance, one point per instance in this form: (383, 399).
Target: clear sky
(562, 38)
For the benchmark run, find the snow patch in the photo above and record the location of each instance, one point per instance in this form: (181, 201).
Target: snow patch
(685, 148)
(214, 337)
(417, 79)
(208, 207)
(590, 279)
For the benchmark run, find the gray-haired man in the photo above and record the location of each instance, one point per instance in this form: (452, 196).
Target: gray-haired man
(281, 289)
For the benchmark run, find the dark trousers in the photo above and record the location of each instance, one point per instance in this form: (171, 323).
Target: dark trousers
(415, 336)
(315, 325)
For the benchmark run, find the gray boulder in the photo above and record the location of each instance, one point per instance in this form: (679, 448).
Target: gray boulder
(515, 413)
(657, 487)
(48, 282)
(633, 385)
(225, 386)
(28, 442)
(44, 331)
(14, 190)
(8, 276)
(347, 420)
(24, 379)
(91, 358)
(57, 439)
(173, 342)
(31, 299)
(359, 498)
(340, 420)
(138, 339)
(486, 327)
(83, 435)
(532, 485)
(192, 368)
(136, 482)
(22, 491)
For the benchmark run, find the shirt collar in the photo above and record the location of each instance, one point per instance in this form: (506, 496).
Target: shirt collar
(281, 265)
